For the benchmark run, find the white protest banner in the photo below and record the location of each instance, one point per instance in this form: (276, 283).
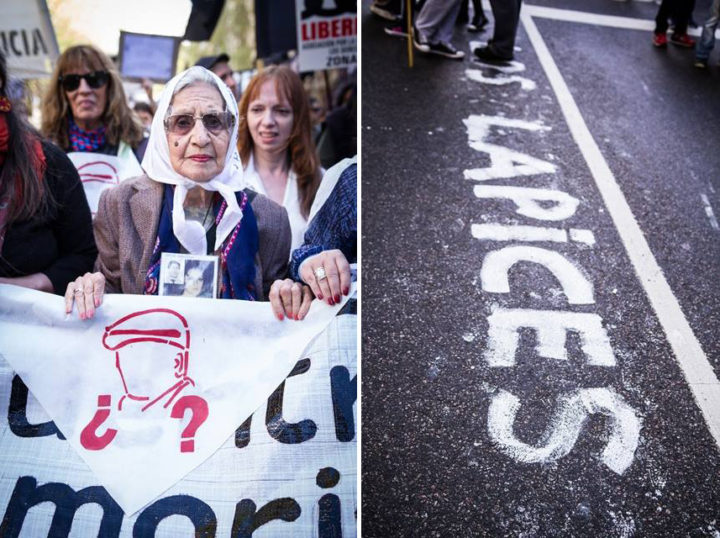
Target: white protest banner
(27, 38)
(150, 389)
(327, 34)
(99, 172)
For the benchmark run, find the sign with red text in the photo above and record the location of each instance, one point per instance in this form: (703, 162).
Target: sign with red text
(327, 34)
(154, 388)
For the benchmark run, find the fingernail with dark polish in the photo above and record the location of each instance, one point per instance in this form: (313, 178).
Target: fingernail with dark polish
(330, 301)
(320, 297)
(337, 298)
(346, 291)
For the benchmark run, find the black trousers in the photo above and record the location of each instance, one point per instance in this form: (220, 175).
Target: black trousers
(507, 16)
(677, 10)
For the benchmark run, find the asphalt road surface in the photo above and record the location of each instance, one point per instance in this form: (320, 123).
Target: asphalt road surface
(541, 258)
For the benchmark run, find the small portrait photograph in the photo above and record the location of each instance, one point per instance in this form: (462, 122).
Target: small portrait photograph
(185, 275)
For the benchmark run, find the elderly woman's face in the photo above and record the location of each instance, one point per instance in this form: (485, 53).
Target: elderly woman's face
(200, 153)
(88, 99)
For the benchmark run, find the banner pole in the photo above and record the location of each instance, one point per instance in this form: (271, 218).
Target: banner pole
(411, 30)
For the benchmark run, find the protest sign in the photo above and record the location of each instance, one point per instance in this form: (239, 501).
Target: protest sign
(99, 172)
(27, 38)
(327, 34)
(124, 417)
(148, 56)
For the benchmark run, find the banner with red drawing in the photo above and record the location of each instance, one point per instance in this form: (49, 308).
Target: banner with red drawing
(154, 388)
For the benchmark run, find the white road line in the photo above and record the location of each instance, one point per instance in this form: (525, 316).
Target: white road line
(688, 353)
(709, 212)
(611, 21)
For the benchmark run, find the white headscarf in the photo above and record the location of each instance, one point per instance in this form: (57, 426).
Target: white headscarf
(156, 164)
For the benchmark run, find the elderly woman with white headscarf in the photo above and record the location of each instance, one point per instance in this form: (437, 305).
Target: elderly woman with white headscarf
(191, 200)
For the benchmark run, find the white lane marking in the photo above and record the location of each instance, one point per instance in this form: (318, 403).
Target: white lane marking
(709, 212)
(551, 328)
(689, 354)
(570, 15)
(610, 21)
(565, 426)
(494, 273)
(514, 232)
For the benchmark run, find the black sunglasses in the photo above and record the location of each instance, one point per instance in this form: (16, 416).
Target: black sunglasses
(96, 79)
(182, 124)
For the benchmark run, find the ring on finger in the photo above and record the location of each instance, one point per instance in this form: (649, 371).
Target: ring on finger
(78, 291)
(320, 273)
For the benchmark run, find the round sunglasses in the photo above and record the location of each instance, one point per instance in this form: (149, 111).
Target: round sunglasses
(96, 79)
(214, 122)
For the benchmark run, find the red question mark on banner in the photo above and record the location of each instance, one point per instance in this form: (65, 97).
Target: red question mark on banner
(199, 408)
(88, 438)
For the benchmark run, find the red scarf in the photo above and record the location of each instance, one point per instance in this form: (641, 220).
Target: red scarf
(38, 163)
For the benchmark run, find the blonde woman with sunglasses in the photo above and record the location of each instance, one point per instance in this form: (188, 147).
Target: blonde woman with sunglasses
(191, 199)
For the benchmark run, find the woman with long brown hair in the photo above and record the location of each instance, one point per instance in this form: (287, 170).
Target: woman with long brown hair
(275, 144)
(85, 110)
(46, 236)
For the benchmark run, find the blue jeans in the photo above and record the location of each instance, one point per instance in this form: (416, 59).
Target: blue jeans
(707, 39)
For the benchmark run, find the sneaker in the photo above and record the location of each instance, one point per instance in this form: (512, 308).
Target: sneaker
(477, 25)
(445, 49)
(488, 54)
(682, 40)
(396, 30)
(420, 41)
(660, 40)
(385, 13)
(701, 63)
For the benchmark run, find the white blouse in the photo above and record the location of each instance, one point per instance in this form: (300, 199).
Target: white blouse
(291, 201)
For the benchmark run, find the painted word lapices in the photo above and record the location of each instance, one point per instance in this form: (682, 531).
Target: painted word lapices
(573, 408)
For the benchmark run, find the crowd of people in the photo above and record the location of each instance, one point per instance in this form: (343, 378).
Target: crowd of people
(204, 176)
(431, 25)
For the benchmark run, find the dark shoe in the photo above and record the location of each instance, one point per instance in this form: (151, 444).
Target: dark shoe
(701, 63)
(660, 40)
(396, 30)
(477, 25)
(487, 54)
(419, 41)
(682, 40)
(385, 13)
(446, 50)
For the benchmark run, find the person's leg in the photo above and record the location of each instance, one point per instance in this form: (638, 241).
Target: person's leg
(430, 20)
(707, 39)
(462, 17)
(681, 10)
(661, 19)
(387, 9)
(507, 16)
(479, 18)
(446, 26)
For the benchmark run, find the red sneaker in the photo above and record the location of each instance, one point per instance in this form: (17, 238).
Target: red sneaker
(682, 40)
(660, 40)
